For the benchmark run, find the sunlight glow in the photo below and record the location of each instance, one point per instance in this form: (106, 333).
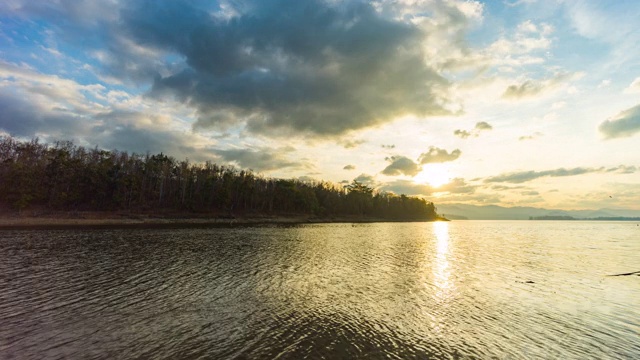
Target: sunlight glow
(435, 175)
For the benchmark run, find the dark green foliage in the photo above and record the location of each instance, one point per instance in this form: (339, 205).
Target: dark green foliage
(69, 177)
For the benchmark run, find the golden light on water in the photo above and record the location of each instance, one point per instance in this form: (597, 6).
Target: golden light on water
(435, 175)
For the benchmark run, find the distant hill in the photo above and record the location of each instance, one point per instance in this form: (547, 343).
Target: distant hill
(494, 212)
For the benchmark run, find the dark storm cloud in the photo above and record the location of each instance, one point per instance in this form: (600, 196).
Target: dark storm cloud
(437, 155)
(302, 66)
(276, 67)
(263, 159)
(401, 165)
(625, 124)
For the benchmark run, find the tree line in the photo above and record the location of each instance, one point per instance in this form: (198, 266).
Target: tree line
(67, 177)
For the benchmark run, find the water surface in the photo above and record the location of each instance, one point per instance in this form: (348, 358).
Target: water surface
(466, 289)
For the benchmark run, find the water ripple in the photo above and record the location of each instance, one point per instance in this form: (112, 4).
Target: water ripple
(392, 291)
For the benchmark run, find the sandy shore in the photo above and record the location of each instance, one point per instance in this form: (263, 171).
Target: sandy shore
(94, 220)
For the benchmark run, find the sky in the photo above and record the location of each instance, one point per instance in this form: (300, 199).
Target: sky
(510, 103)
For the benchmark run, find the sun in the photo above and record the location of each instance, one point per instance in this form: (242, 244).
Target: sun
(435, 175)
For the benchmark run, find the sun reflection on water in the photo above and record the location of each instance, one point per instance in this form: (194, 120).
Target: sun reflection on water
(441, 270)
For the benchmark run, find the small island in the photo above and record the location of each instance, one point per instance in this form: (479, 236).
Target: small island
(65, 184)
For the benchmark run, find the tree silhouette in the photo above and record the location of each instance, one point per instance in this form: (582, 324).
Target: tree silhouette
(66, 177)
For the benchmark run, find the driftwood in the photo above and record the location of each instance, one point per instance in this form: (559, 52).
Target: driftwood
(627, 274)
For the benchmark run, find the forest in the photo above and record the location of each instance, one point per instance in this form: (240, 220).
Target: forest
(66, 177)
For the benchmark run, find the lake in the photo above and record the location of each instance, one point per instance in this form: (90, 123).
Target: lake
(462, 289)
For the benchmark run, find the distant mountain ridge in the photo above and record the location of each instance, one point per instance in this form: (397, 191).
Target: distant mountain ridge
(494, 212)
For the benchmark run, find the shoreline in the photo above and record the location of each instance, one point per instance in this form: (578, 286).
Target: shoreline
(115, 221)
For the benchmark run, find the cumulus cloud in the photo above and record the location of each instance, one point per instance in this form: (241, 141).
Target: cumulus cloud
(401, 165)
(389, 147)
(349, 167)
(624, 124)
(263, 159)
(437, 155)
(480, 126)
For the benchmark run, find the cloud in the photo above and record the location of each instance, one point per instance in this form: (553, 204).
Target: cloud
(437, 155)
(483, 125)
(141, 139)
(624, 124)
(524, 176)
(366, 179)
(634, 87)
(389, 147)
(533, 136)
(480, 126)
(273, 67)
(54, 108)
(457, 186)
(289, 66)
(349, 167)
(409, 187)
(623, 169)
(24, 118)
(401, 165)
(262, 159)
(533, 88)
(504, 188)
(525, 89)
(462, 133)
(349, 144)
